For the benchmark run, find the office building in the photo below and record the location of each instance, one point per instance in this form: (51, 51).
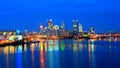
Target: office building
(62, 27)
(75, 26)
(80, 28)
(8, 32)
(92, 30)
(50, 24)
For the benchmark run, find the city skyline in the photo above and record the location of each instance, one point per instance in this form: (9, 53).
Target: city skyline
(102, 14)
(59, 33)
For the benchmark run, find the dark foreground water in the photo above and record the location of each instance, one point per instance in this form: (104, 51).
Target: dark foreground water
(62, 54)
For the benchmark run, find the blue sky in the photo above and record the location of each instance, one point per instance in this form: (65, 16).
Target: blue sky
(104, 15)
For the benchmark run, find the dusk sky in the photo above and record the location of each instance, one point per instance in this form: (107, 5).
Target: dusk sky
(104, 15)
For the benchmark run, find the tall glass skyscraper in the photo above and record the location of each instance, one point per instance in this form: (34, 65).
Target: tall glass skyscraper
(80, 28)
(75, 26)
(50, 24)
(62, 27)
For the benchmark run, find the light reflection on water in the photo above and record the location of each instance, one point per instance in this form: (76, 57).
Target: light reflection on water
(61, 54)
(91, 49)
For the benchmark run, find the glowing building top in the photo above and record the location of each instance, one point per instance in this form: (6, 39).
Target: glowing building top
(50, 24)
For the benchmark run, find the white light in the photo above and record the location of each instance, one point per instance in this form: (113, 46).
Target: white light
(41, 26)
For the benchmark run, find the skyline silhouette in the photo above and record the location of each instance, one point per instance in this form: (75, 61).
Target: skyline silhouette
(104, 15)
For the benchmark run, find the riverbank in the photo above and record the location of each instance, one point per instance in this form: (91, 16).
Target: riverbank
(15, 43)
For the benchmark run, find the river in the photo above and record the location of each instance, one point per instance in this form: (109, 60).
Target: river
(62, 54)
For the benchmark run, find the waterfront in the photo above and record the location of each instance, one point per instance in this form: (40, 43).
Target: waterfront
(62, 54)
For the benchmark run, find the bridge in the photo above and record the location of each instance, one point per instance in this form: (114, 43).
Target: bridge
(101, 36)
(37, 37)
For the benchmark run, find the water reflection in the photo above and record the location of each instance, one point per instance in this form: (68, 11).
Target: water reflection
(56, 44)
(62, 45)
(19, 57)
(75, 48)
(42, 59)
(25, 47)
(19, 49)
(7, 56)
(75, 53)
(32, 46)
(45, 44)
(58, 54)
(80, 47)
(57, 65)
(91, 54)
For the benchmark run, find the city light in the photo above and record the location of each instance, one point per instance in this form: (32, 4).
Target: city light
(59, 33)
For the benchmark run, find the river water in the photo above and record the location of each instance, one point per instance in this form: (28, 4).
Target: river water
(62, 54)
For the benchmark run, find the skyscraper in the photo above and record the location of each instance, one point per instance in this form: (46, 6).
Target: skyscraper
(50, 24)
(92, 30)
(62, 27)
(56, 28)
(80, 28)
(75, 26)
(41, 29)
